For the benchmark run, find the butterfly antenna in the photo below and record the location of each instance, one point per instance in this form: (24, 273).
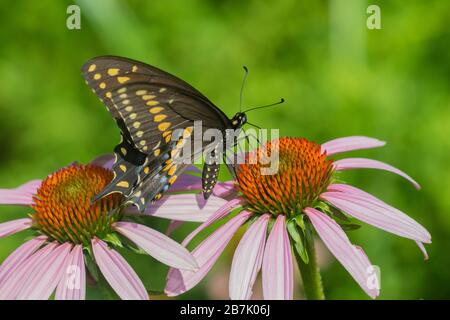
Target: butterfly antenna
(254, 125)
(241, 95)
(265, 106)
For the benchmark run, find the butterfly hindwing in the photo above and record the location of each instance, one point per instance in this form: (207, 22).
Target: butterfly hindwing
(157, 176)
(127, 165)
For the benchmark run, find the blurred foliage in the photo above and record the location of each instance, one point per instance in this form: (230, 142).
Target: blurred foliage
(338, 79)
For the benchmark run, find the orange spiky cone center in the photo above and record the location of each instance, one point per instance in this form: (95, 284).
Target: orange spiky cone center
(301, 172)
(63, 208)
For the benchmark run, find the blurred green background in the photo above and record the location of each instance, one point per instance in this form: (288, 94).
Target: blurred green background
(338, 77)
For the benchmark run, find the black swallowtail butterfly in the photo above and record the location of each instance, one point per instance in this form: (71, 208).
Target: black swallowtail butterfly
(148, 104)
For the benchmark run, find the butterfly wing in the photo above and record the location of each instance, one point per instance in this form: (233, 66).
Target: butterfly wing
(148, 104)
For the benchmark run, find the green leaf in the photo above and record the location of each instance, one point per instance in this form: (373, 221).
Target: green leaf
(127, 244)
(270, 225)
(251, 220)
(300, 222)
(322, 206)
(156, 292)
(135, 249)
(301, 250)
(293, 231)
(338, 214)
(349, 226)
(298, 239)
(91, 266)
(114, 239)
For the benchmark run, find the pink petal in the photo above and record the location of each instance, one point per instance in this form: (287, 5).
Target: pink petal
(105, 160)
(422, 248)
(192, 169)
(351, 257)
(357, 163)
(206, 254)
(22, 195)
(277, 267)
(44, 279)
(346, 188)
(350, 143)
(118, 272)
(73, 282)
(225, 189)
(247, 260)
(158, 245)
(16, 280)
(20, 255)
(186, 182)
(182, 207)
(379, 214)
(14, 226)
(219, 214)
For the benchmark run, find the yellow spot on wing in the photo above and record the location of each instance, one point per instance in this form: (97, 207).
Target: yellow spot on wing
(122, 90)
(164, 126)
(137, 124)
(124, 151)
(97, 76)
(156, 110)
(123, 79)
(113, 71)
(133, 116)
(102, 85)
(162, 90)
(181, 143)
(139, 133)
(187, 132)
(172, 179)
(172, 170)
(157, 152)
(129, 108)
(168, 138)
(123, 184)
(148, 97)
(173, 153)
(142, 143)
(123, 168)
(160, 117)
(146, 170)
(141, 92)
(109, 95)
(134, 69)
(152, 103)
(92, 68)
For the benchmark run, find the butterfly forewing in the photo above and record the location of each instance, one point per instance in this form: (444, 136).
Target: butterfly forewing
(149, 105)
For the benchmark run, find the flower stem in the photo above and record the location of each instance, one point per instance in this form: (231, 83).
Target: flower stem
(312, 281)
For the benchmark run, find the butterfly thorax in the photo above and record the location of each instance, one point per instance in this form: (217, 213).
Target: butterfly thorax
(239, 120)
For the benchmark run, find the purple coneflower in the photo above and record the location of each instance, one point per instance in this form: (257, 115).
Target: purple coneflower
(283, 209)
(71, 233)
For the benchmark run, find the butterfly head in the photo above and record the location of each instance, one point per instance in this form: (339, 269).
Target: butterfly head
(239, 120)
